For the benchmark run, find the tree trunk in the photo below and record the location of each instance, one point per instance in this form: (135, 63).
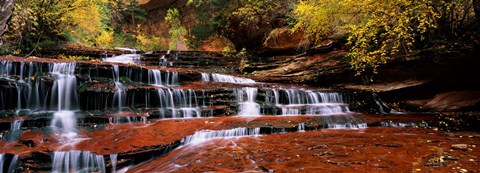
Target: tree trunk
(476, 8)
(6, 9)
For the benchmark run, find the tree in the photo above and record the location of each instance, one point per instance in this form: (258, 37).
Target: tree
(6, 7)
(378, 31)
(177, 31)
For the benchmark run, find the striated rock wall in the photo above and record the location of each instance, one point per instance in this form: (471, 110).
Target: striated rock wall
(6, 9)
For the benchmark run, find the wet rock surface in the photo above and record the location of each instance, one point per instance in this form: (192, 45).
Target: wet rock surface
(150, 116)
(368, 150)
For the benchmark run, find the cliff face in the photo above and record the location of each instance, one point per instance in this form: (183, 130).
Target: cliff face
(6, 9)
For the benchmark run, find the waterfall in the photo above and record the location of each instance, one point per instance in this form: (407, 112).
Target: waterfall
(6, 69)
(64, 94)
(181, 103)
(2, 160)
(127, 119)
(230, 79)
(301, 127)
(205, 77)
(382, 107)
(20, 84)
(11, 166)
(113, 160)
(169, 78)
(246, 101)
(28, 86)
(64, 91)
(348, 126)
(77, 161)
(120, 91)
(126, 59)
(35, 94)
(306, 102)
(406, 124)
(163, 61)
(202, 136)
(15, 130)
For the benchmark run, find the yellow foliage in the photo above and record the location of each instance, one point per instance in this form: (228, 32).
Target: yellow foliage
(146, 42)
(105, 39)
(378, 30)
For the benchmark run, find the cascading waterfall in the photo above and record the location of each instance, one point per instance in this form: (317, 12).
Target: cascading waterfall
(215, 77)
(246, 101)
(29, 88)
(113, 160)
(126, 58)
(15, 130)
(348, 126)
(163, 61)
(64, 91)
(77, 161)
(205, 77)
(35, 92)
(119, 95)
(156, 78)
(306, 102)
(127, 119)
(382, 107)
(301, 127)
(11, 166)
(20, 85)
(406, 124)
(202, 136)
(64, 94)
(6, 68)
(181, 103)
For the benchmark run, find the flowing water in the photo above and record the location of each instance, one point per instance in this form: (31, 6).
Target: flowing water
(79, 97)
(215, 77)
(202, 136)
(77, 161)
(8, 165)
(246, 101)
(15, 130)
(65, 98)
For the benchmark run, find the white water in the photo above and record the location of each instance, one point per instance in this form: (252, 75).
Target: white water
(246, 101)
(77, 161)
(113, 160)
(306, 102)
(2, 160)
(65, 97)
(205, 135)
(411, 124)
(5, 69)
(180, 103)
(156, 78)
(127, 119)
(133, 51)
(64, 92)
(30, 95)
(64, 123)
(126, 59)
(215, 77)
(301, 127)
(119, 96)
(15, 130)
(348, 126)
(11, 166)
(205, 77)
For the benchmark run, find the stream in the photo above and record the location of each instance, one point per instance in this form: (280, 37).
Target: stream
(172, 112)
